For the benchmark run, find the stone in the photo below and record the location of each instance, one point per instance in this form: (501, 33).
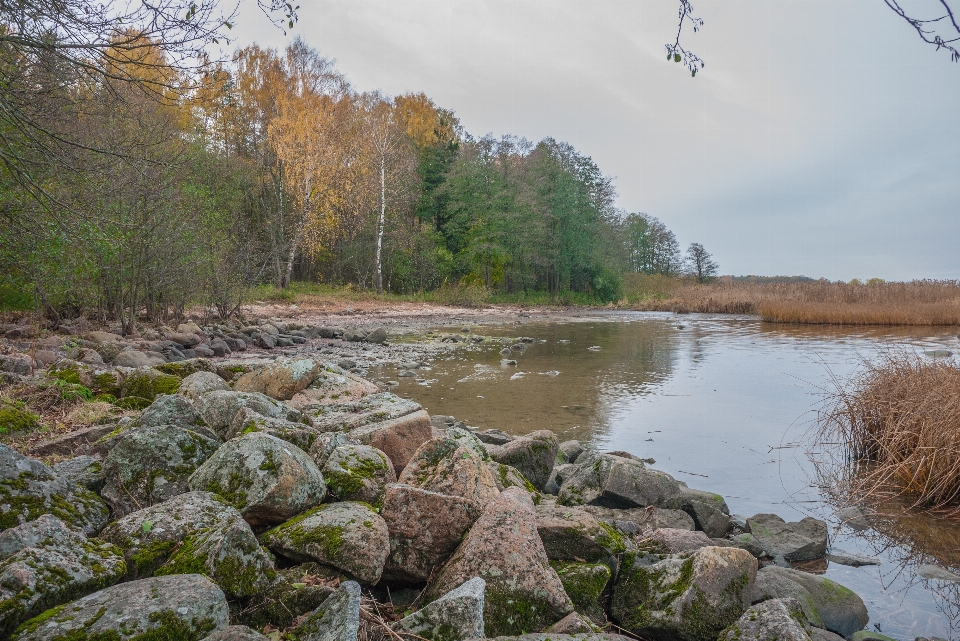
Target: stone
(772, 584)
(585, 583)
(746, 541)
(45, 357)
(707, 518)
(494, 437)
(236, 633)
(854, 517)
(450, 465)
(337, 619)
(673, 541)
(683, 597)
(186, 368)
(425, 528)
(455, 616)
(928, 571)
(561, 637)
(774, 620)
(15, 418)
(571, 534)
(85, 471)
(294, 594)
(172, 409)
(571, 450)
(186, 607)
(715, 501)
(343, 415)
(133, 358)
(326, 443)
(523, 592)
(336, 386)
(266, 341)
(280, 380)
(573, 623)
(29, 489)
(379, 335)
(247, 421)
(617, 482)
(506, 476)
(533, 455)
(46, 562)
(358, 473)
(267, 479)
(800, 541)
(150, 465)
(103, 337)
(16, 364)
(870, 635)
(649, 518)
(840, 609)
(186, 339)
(199, 383)
(194, 532)
(348, 536)
(218, 409)
(851, 559)
(147, 383)
(398, 438)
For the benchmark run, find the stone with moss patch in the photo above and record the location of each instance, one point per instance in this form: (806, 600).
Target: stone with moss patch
(570, 534)
(295, 593)
(839, 608)
(194, 533)
(773, 620)
(169, 608)
(188, 367)
(613, 481)
(358, 473)
(15, 418)
(247, 421)
(349, 536)
(218, 409)
(337, 619)
(148, 383)
(585, 584)
(456, 615)
(451, 465)
(534, 455)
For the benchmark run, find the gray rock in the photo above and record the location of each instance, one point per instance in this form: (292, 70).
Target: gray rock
(455, 616)
(16, 364)
(938, 573)
(849, 558)
(199, 383)
(772, 584)
(194, 532)
(840, 609)
(773, 620)
(171, 409)
(29, 489)
(854, 517)
(746, 542)
(571, 534)
(236, 633)
(294, 594)
(533, 455)
(494, 437)
(673, 541)
(85, 471)
(379, 335)
(649, 518)
(348, 536)
(562, 472)
(617, 482)
(804, 540)
(186, 607)
(572, 450)
(358, 473)
(131, 358)
(267, 479)
(46, 562)
(246, 421)
(586, 584)
(452, 465)
(218, 409)
(573, 623)
(338, 619)
(707, 518)
(326, 443)
(152, 464)
(281, 380)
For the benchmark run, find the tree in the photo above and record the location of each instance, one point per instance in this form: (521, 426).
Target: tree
(700, 263)
(651, 247)
(940, 30)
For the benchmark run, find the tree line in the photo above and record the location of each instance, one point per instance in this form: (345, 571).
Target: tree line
(149, 186)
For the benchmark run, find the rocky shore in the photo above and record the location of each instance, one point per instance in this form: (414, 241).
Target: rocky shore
(286, 496)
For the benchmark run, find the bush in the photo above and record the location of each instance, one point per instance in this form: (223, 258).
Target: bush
(463, 295)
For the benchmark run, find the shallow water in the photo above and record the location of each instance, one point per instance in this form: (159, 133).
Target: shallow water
(721, 403)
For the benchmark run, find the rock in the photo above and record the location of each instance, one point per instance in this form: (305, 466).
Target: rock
(280, 380)
(523, 592)
(572, 450)
(132, 358)
(186, 368)
(494, 437)
(398, 438)
(379, 335)
(147, 383)
(715, 501)
(561, 637)
(84, 471)
(691, 598)
(291, 596)
(218, 409)
(772, 584)
(358, 473)
(268, 480)
(236, 633)
(349, 536)
(15, 418)
(92, 357)
(747, 542)
(246, 421)
(673, 541)
(337, 387)
(936, 572)
(840, 609)
(800, 541)
(29, 489)
(709, 511)
(46, 562)
(854, 517)
(266, 340)
(186, 607)
(533, 455)
(585, 583)
(186, 339)
(454, 616)
(337, 619)
(150, 465)
(103, 337)
(450, 465)
(570, 534)
(16, 364)
(617, 482)
(774, 620)
(506, 476)
(345, 415)
(326, 443)
(573, 623)
(869, 635)
(853, 560)
(425, 528)
(173, 410)
(562, 472)
(194, 532)
(199, 383)
(644, 518)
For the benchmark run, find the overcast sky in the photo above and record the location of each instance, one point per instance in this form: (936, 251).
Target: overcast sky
(821, 139)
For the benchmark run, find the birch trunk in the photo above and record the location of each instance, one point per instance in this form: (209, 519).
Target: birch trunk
(383, 209)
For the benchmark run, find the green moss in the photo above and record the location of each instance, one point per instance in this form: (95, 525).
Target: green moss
(133, 403)
(329, 538)
(232, 493)
(146, 559)
(352, 475)
(507, 612)
(106, 383)
(186, 559)
(150, 384)
(611, 539)
(67, 374)
(584, 583)
(31, 625)
(269, 462)
(16, 418)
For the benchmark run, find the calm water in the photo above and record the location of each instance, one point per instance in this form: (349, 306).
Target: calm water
(722, 404)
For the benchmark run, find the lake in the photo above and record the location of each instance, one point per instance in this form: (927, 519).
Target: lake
(723, 404)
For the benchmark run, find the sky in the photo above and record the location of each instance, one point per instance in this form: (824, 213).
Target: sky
(822, 138)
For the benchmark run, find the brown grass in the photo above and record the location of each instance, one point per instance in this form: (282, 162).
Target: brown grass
(922, 302)
(898, 425)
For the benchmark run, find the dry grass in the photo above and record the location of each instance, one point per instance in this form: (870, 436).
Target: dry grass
(898, 425)
(922, 302)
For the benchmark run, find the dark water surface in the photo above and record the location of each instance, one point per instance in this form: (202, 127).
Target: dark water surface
(721, 403)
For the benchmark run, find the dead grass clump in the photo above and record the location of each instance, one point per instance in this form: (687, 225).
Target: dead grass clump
(898, 422)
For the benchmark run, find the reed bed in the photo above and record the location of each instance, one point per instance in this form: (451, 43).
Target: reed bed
(897, 425)
(922, 302)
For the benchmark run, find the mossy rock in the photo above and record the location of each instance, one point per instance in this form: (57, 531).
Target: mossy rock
(15, 418)
(358, 473)
(289, 598)
(148, 383)
(585, 583)
(183, 369)
(133, 403)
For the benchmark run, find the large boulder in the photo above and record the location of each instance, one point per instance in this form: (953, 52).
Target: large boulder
(398, 438)
(170, 409)
(46, 562)
(709, 511)
(504, 549)
(533, 455)
(773, 584)
(337, 619)
(146, 382)
(571, 534)
(334, 386)
(152, 464)
(804, 540)
(674, 541)
(774, 620)
(267, 479)
(186, 607)
(199, 383)
(295, 593)
(84, 470)
(449, 465)
(139, 360)
(648, 518)
(839, 608)
(683, 597)
(617, 482)
(348, 536)
(246, 421)
(29, 489)
(455, 616)
(342, 414)
(194, 532)
(585, 584)
(506, 476)
(219, 408)
(358, 473)
(280, 380)
(425, 528)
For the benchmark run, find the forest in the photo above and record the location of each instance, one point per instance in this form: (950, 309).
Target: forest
(152, 186)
